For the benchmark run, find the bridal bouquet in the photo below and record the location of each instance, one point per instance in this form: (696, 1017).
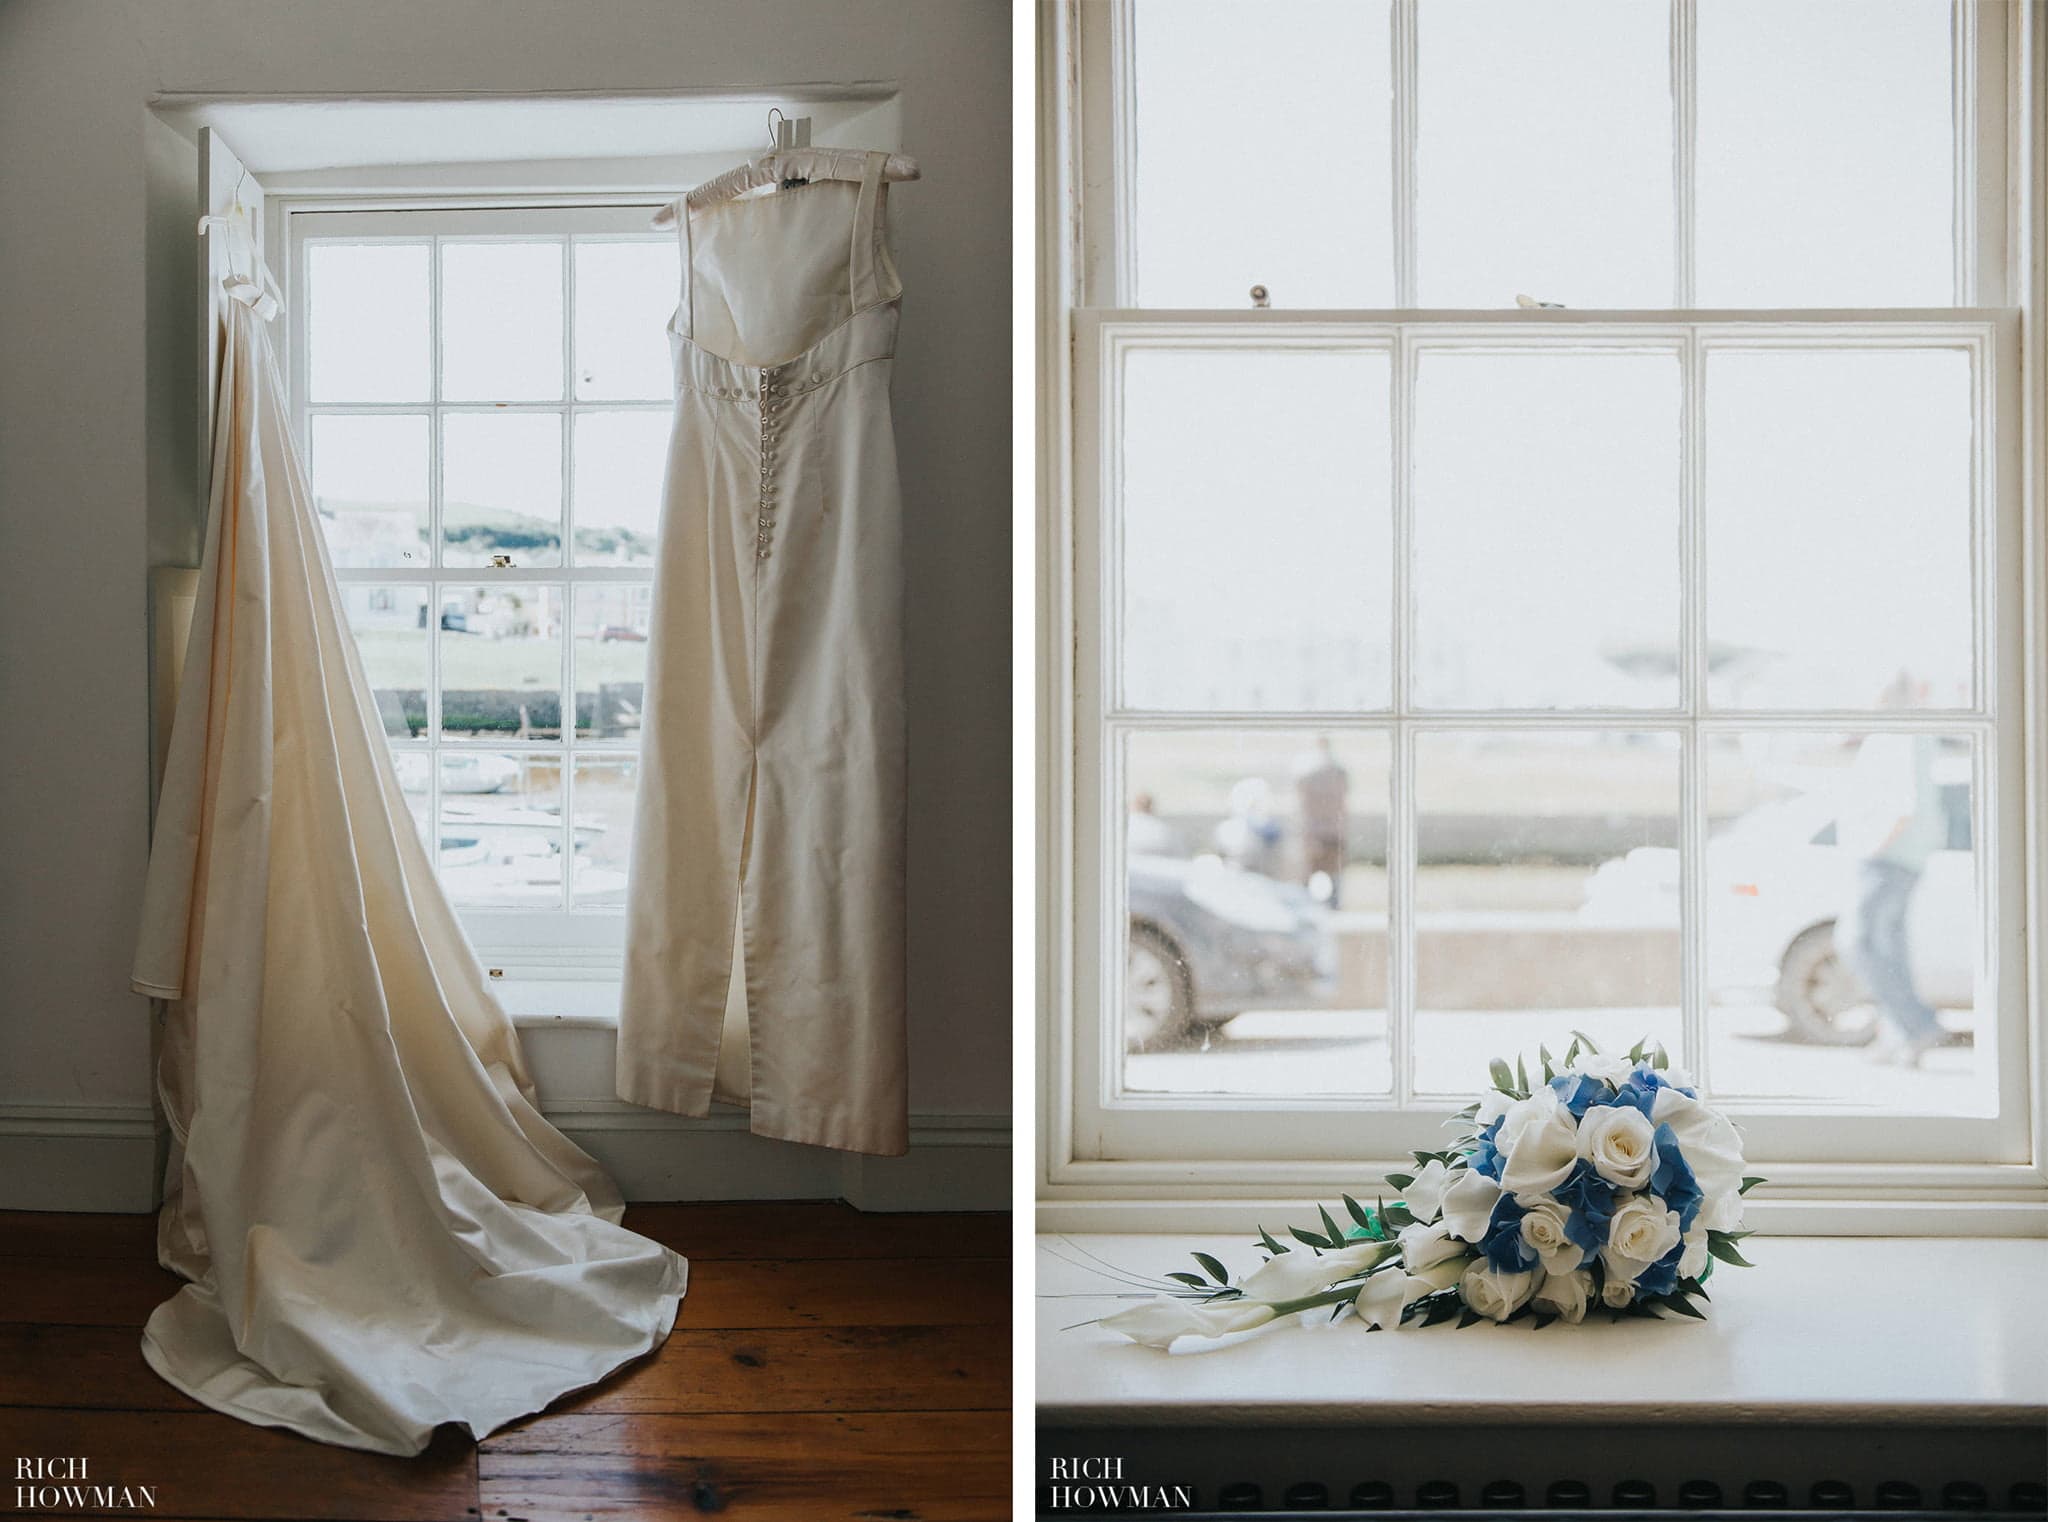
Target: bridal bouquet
(1608, 1184)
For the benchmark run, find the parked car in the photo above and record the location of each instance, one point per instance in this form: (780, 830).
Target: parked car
(1208, 941)
(1775, 881)
(613, 634)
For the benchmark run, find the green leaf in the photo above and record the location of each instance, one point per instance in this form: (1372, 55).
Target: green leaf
(1358, 1213)
(1723, 1249)
(1571, 1053)
(1521, 1075)
(1635, 1053)
(1543, 1320)
(1398, 1215)
(1683, 1306)
(1215, 1270)
(1548, 1072)
(1266, 1241)
(1588, 1042)
(1195, 1281)
(1400, 1180)
(1470, 1318)
(1503, 1079)
(1307, 1238)
(1749, 1184)
(1330, 1227)
(1659, 1058)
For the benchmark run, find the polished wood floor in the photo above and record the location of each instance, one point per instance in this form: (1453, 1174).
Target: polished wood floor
(826, 1365)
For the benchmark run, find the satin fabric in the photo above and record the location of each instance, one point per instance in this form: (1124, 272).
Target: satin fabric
(765, 915)
(381, 1231)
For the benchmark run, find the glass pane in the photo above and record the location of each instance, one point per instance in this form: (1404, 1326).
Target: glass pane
(1255, 956)
(1544, 153)
(1825, 158)
(1546, 896)
(501, 487)
(390, 626)
(370, 487)
(501, 322)
(1842, 921)
(366, 322)
(1237, 183)
(1256, 527)
(625, 295)
(1546, 530)
(603, 830)
(501, 662)
(501, 830)
(620, 459)
(611, 659)
(415, 771)
(1839, 528)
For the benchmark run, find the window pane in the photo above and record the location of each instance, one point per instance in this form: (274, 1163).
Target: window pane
(1825, 158)
(1841, 913)
(501, 322)
(1256, 526)
(603, 830)
(1838, 509)
(501, 487)
(1256, 920)
(625, 295)
(620, 459)
(1238, 183)
(1545, 896)
(611, 659)
(1544, 153)
(501, 662)
(501, 830)
(390, 626)
(370, 486)
(1546, 530)
(366, 322)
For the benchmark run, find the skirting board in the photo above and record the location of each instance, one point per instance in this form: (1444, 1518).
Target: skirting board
(104, 1158)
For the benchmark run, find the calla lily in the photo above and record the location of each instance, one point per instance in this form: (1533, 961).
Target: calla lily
(1425, 1196)
(1160, 1322)
(1468, 1205)
(1385, 1296)
(1538, 1144)
(1300, 1272)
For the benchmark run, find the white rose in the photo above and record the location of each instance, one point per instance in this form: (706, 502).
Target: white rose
(1538, 1143)
(1492, 1106)
(1384, 1296)
(1620, 1143)
(1300, 1272)
(1564, 1295)
(1468, 1205)
(1693, 1261)
(1494, 1294)
(1159, 1322)
(1424, 1197)
(1543, 1229)
(1642, 1231)
(1617, 1293)
(1614, 1070)
(1426, 1246)
(1712, 1150)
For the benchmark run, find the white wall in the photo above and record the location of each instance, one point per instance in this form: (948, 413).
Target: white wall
(96, 461)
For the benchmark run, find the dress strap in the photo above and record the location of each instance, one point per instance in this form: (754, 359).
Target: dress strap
(867, 256)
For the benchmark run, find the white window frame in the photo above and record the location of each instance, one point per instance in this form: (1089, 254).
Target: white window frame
(571, 943)
(1111, 1161)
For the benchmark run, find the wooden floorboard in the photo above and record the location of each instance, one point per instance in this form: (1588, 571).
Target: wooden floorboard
(933, 1467)
(826, 1365)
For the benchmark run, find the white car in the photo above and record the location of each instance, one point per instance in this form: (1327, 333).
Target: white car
(1775, 881)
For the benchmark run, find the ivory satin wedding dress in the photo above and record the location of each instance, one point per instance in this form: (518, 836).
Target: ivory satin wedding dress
(765, 918)
(380, 1229)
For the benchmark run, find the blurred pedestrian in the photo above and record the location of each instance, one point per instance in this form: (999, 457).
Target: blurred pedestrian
(1323, 789)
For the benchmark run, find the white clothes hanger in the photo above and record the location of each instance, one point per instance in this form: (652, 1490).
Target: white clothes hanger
(789, 162)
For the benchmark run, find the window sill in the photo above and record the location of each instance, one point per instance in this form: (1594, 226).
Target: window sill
(564, 1003)
(1945, 1332)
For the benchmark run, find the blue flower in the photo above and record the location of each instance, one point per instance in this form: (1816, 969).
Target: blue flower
(1648, 1081)
(1590, 1199)
(1577, 1092)
(1672, 1178)
(1661, 1277)
(1486, 1156)
(1503, 1244)
(1631, 1096)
